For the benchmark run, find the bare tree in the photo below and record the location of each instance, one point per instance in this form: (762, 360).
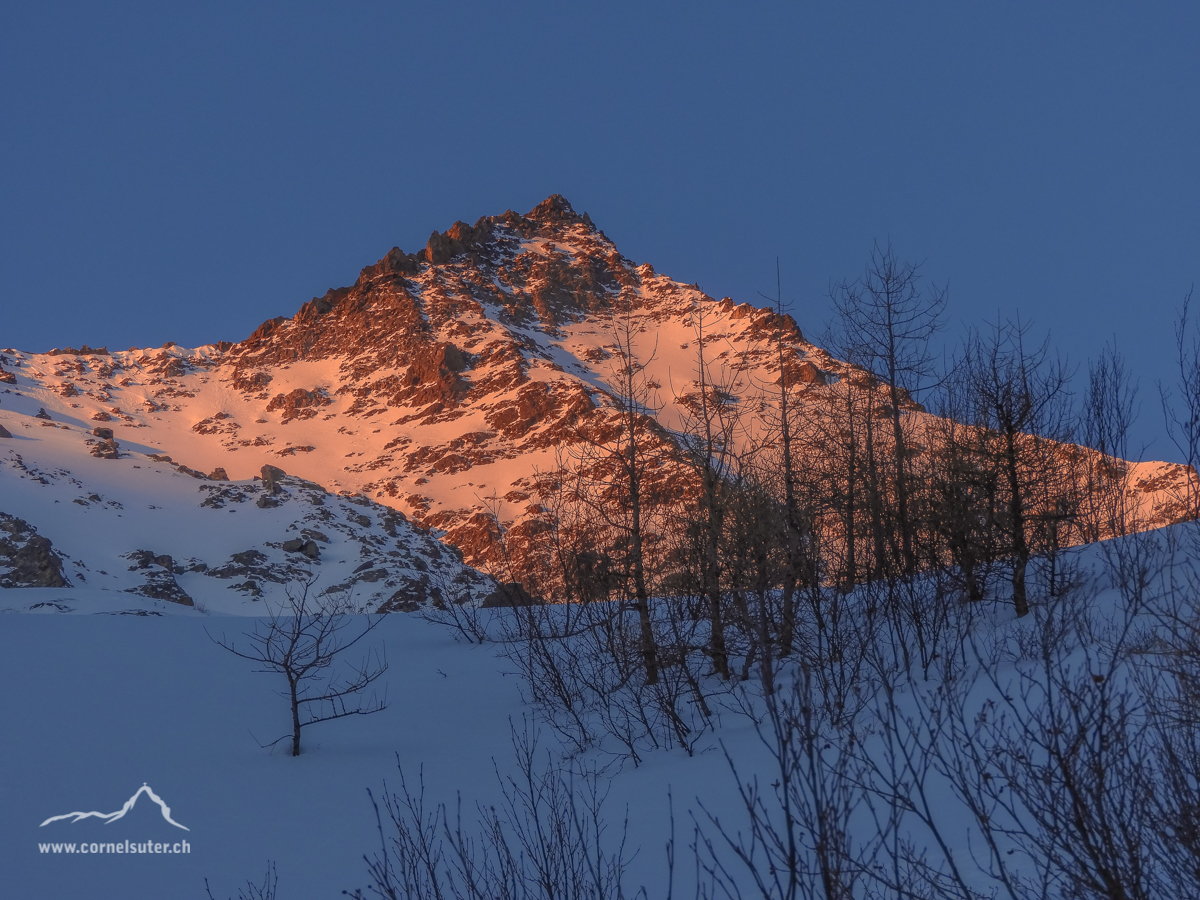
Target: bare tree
(1182, 406)
(546, 840)
(1018, 400)
(886, 322)
(963, 493)
(709, 429)
(303, 640)
(1108, 413)
(794, 841)
(797, 531)
(608, 482)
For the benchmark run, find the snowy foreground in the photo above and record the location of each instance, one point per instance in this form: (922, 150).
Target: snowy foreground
(96, 706)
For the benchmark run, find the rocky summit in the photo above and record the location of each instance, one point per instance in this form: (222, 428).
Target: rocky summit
(443, 384)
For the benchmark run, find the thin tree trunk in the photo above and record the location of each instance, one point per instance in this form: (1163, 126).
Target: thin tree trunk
(900, 453)
(1016, 512)
(793, 539)
(295, 720)
(641, 594)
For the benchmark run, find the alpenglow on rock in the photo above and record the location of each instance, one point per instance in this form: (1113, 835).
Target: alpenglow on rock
(446, 383)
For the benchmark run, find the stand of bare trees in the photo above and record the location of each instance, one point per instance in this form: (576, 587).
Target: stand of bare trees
(946, 708)
(692, 561)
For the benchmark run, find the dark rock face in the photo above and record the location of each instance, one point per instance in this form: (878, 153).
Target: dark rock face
(461, 238)
(4, 433)
(218, 474)
(511, 594)
(105, 433)
(158, 572)
(271, 476)
(143, 559)
(105, 449)
(251, 381)
(411, 597)
(42, 414)
(396, 262)
(26, 558)
(255, 566)
(298, 404)
(84, 350)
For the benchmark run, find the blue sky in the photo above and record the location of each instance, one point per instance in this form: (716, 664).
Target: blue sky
(182, 174)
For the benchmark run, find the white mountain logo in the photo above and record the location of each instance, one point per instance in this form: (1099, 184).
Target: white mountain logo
(111, 817)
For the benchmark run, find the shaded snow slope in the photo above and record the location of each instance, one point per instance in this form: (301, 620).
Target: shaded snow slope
(96, 706)
(137, 533)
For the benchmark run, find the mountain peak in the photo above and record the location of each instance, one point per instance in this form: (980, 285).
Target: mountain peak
(557, 209)
(552, 215)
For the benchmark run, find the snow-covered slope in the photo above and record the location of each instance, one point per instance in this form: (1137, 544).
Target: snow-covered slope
(97, 705)
(137, 533)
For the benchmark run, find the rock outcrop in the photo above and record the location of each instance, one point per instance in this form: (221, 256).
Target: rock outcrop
(159, 573)
(27, 559)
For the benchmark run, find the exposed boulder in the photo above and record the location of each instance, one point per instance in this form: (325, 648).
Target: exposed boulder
(42, 414)
(218, 474)
(299, 545)
(271, 476)
(27, 559)
(106, 449)
(105, 433)
(4, 432)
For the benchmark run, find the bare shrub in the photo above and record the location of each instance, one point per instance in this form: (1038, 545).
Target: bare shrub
(303, 640)
(252, 891)
(546, 839)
